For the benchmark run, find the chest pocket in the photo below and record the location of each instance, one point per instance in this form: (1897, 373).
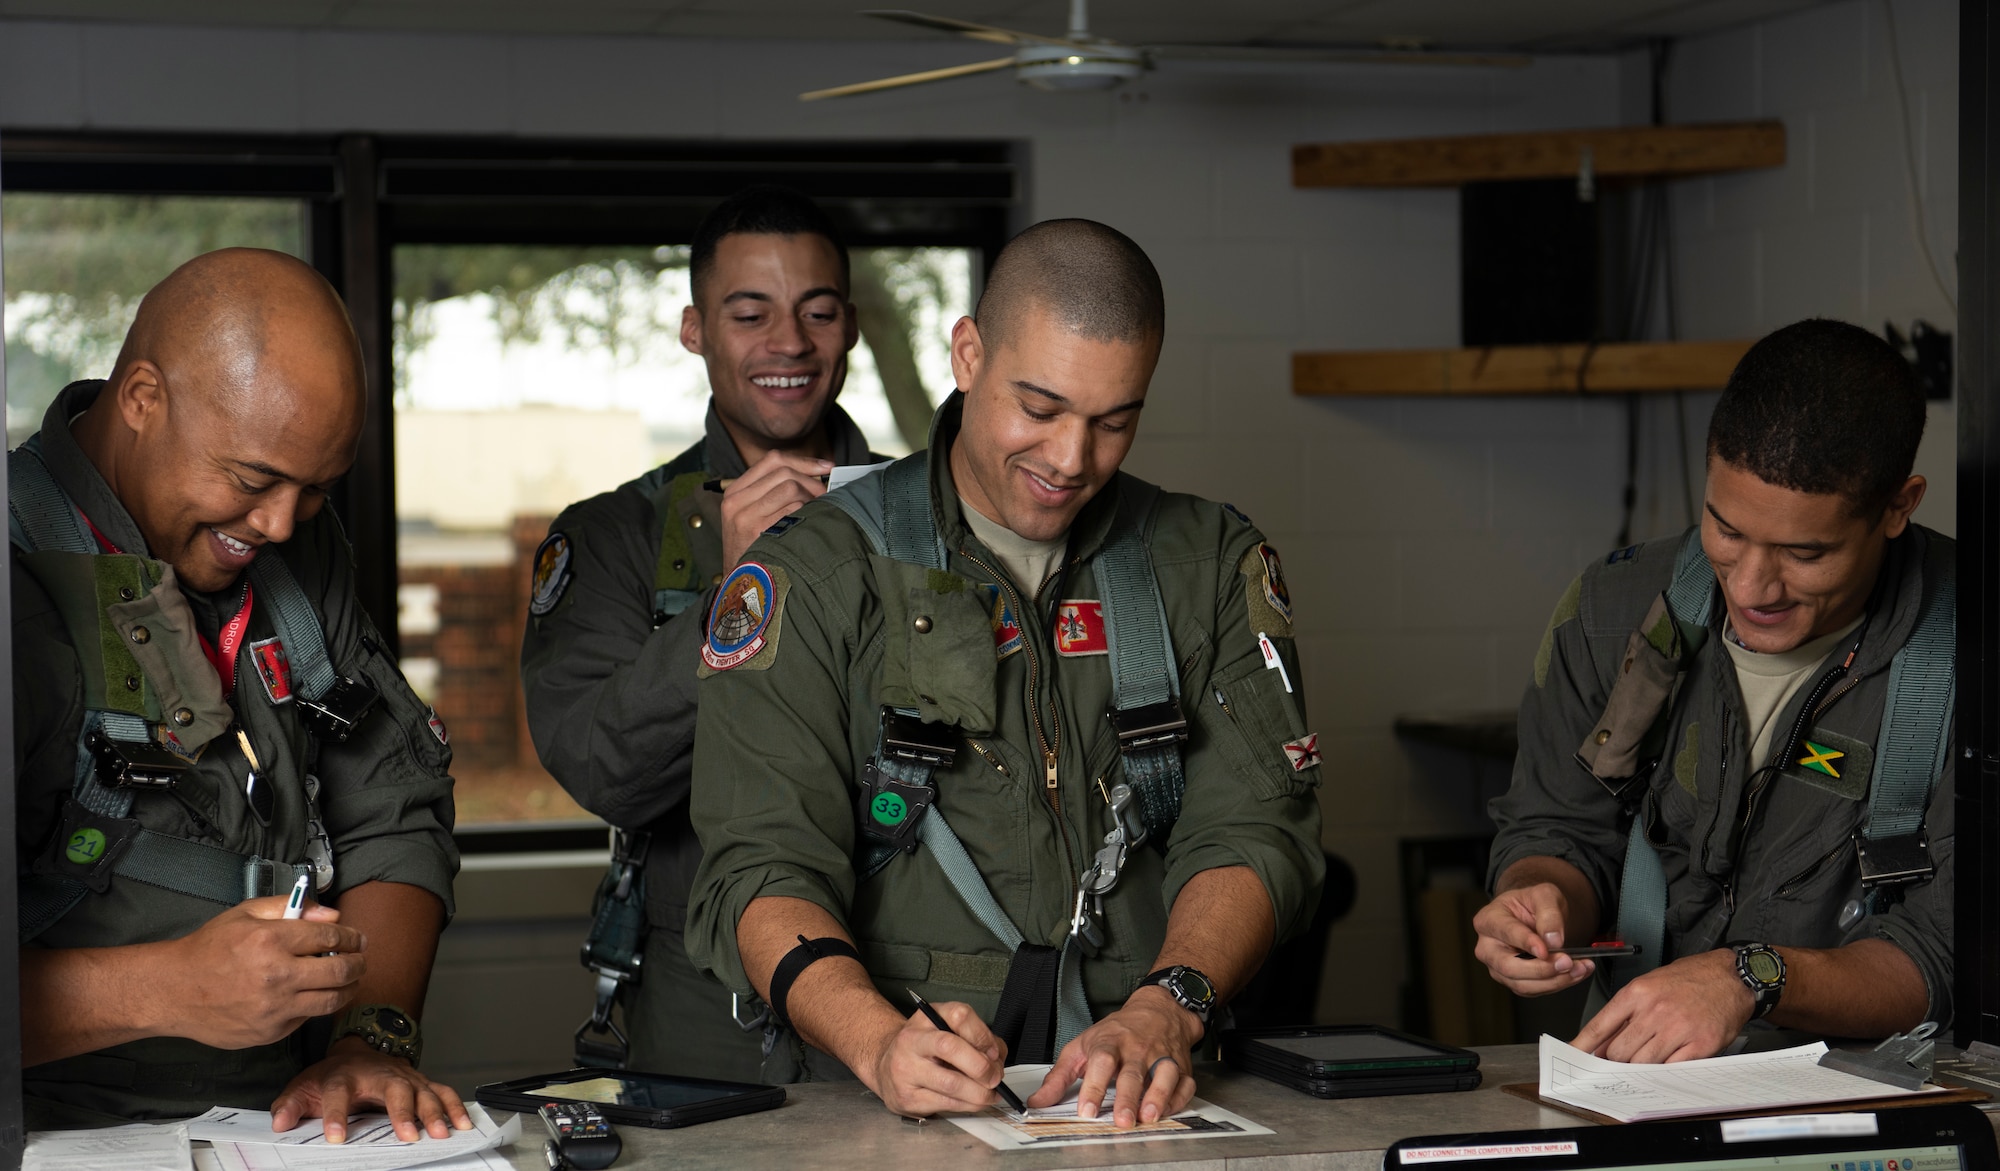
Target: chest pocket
(938, 655)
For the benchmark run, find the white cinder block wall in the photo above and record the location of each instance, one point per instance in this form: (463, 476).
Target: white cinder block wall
(1425, 540)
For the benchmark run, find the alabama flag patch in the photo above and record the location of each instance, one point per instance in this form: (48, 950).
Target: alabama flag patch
(1303, 752)
(1080, 628)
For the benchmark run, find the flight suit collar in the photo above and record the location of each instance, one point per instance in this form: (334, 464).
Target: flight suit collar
(724, 462)
(1087, 533)
(77, 476)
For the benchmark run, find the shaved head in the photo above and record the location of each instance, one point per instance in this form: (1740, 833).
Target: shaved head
(1091, 280)
(235, 402)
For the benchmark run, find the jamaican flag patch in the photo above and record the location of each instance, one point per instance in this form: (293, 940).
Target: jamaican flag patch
(1828, 760)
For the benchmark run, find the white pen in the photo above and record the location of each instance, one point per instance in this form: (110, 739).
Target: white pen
(295, 907)
(1272, 661)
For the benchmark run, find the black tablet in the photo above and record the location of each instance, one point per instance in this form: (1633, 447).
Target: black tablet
(629, 1097)
(1332, 1052)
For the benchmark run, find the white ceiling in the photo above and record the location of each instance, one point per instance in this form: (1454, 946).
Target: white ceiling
(1530, 25)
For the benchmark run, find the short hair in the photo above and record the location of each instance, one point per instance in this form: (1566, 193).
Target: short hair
(1093, 279)
(1822, 407)
(764, 209)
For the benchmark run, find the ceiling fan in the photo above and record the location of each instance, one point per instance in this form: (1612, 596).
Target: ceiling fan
(1081, 60)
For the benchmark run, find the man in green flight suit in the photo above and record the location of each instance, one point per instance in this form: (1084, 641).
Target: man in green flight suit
(623, 582)
(205, 718)
(1721, 750)
(854, 702)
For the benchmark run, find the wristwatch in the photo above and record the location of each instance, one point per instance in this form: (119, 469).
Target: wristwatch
(381, 1026)
(1762, 971)
(1189, 988)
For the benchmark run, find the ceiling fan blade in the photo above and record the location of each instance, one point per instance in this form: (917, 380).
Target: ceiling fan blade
(946, 74)
(965, 28)
(1279, 55)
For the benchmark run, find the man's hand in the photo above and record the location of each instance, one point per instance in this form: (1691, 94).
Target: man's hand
(250, 976)
(352, 1074)
(775, 486)
(922, 1071)
(1528, 919)
(1144, 1049)
(1691, 1008)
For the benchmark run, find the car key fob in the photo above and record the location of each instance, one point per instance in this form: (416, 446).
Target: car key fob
(580, 1137)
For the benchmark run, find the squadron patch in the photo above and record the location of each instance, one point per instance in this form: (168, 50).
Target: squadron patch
(1270, 599)
(1080, 628)
(1006, 627)
(1303, 752)
(551, 574)
(274, 668)
(744, 620)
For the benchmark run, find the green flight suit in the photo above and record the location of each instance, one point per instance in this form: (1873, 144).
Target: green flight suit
(1757, 850)
(784, 733)
(384, 798)
(610, 688)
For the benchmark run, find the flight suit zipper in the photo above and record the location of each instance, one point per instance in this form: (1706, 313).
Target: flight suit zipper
(1049, 740)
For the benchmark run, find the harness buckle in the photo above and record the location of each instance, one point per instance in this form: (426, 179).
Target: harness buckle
(1153, 725)
(334, 716)
(906, 737)
(628, 855)
(126, 764)
(1897, 860)
(591, 1049)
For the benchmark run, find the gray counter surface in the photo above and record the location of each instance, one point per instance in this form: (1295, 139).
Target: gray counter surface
(841, 1126)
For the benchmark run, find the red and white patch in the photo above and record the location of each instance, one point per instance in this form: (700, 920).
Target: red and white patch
(1303, 752)
(274, 667)
(1080, 628)
(437, 727)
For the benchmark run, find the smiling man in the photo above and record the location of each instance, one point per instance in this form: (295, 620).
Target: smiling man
(625, 580)
(204, 716)
(1007, 728)
(1735, 748)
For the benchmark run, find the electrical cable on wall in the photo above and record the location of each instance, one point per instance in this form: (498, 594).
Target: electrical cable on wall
(1918, 224)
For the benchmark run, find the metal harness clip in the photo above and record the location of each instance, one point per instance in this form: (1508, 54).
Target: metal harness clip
(1894, 861)
(125, 764)
(909, 738)
(334, 716)
(1150, 726)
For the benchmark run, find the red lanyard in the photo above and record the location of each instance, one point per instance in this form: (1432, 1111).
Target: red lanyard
(222, 653)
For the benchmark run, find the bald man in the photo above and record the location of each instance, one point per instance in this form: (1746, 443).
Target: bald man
(946, 639)
(207, 727)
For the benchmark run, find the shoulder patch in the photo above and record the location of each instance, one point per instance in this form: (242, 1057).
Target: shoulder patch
(1080, 628)
(551, 576)
(745, 621)
(1269, 597)
(1569, 606)
(436, 725)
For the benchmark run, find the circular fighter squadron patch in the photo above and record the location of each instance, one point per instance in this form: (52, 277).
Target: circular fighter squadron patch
(740, 622)
(551, 577)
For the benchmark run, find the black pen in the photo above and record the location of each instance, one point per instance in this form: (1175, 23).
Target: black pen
(1007, 1093)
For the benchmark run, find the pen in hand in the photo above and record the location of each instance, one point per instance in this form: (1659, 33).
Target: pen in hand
(295, 907)
(1007, 1093)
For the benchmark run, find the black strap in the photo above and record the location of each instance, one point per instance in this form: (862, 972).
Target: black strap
(1026, 1017)
(805, 955)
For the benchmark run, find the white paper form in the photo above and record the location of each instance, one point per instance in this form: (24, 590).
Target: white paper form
(848, 473)
(245, 1157)
(244, 1141)
(116, 1148)
(1715, 1085)
(1003, 1130)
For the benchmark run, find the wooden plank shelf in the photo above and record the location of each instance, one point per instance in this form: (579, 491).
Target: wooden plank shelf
(1627, 152)
(1612, 368)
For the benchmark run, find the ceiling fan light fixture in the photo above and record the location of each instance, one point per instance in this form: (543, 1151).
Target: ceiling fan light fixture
(1065, 69)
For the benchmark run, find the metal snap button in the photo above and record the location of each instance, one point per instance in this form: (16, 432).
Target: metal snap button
(716, 580)
(141, 635)
(694, 522)
(183, 717)
(1603, 735)
(125, 592)
(923, 624)
(680, 563)
(131, 683)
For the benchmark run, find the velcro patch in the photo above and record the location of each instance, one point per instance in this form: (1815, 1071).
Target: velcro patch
(551, 575)
(1303, 752)
(1838, 764)
(745, 620)
(274, 668)
(1006, 627)
(1080, 628)
(1269, 597)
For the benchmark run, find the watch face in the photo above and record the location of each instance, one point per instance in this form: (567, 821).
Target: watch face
(393, 1023)
(1763, 967)
(1194, 986)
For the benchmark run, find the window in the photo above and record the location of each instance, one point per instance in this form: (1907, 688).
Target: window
(77, 265)
(531, 377)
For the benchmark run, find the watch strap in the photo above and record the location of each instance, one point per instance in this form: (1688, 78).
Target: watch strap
(383, 1027)
(1170, 979)
(1766, 993)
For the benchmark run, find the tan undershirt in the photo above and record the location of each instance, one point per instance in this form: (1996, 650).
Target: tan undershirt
(1768, 682)
(1029, 563)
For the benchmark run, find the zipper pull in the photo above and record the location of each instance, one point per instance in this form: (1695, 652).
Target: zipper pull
(1049, 762)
